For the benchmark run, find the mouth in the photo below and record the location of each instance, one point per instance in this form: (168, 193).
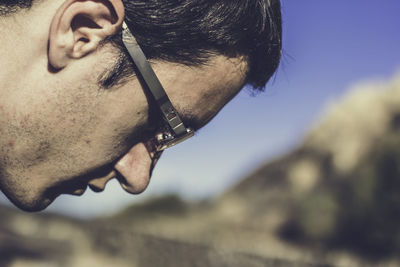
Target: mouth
(78, 191)
(76, 188)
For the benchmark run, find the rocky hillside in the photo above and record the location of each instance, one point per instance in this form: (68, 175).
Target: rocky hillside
(339, 191)
(30, 240)
(333, 201)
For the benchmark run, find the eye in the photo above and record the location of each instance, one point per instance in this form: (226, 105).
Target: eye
(154, 127)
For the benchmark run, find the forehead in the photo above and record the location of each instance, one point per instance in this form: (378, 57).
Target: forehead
(198, 93)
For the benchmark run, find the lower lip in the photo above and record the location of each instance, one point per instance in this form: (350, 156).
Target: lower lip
(79, 191)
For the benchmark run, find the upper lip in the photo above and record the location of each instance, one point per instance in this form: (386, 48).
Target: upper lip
(95, 188)
(98, 183)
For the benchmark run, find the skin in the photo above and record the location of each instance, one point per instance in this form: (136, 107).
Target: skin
(60, 131)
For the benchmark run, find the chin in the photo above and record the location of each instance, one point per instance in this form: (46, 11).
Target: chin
(31, 204)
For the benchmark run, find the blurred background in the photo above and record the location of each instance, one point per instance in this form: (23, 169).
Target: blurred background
(305, 173)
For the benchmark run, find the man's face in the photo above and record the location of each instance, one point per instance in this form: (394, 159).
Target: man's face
(62, 132)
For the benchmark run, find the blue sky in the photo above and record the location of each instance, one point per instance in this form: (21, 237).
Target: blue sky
(328, 46)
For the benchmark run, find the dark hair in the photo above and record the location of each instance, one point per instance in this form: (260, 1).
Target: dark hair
(191, 31)
(11, 6)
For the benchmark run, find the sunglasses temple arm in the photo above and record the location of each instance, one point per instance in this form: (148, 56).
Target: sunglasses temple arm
(153, 83)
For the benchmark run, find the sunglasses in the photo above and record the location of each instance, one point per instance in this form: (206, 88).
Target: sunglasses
(175, 131)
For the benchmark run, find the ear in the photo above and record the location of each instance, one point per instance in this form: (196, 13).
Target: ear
(79, 26)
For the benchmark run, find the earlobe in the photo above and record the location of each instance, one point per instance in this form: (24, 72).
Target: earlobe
(79, 26)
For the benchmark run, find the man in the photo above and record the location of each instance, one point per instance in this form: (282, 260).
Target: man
(79, 104)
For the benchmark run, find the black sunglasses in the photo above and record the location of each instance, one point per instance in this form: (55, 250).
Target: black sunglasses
(176, 131)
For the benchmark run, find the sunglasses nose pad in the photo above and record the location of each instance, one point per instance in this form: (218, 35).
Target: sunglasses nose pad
(154, 145)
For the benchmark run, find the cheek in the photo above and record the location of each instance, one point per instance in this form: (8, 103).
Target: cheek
(60, 136)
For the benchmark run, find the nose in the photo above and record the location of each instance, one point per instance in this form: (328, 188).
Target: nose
(135, 167)
(133, 170)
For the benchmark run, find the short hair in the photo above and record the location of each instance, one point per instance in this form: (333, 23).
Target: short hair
(189, 32)
(8, 7)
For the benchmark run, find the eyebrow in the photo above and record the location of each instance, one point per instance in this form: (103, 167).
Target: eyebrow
(156, 120)
(191, 121)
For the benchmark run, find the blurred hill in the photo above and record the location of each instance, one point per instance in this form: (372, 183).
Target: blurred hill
(333, 201)
(30, 240)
